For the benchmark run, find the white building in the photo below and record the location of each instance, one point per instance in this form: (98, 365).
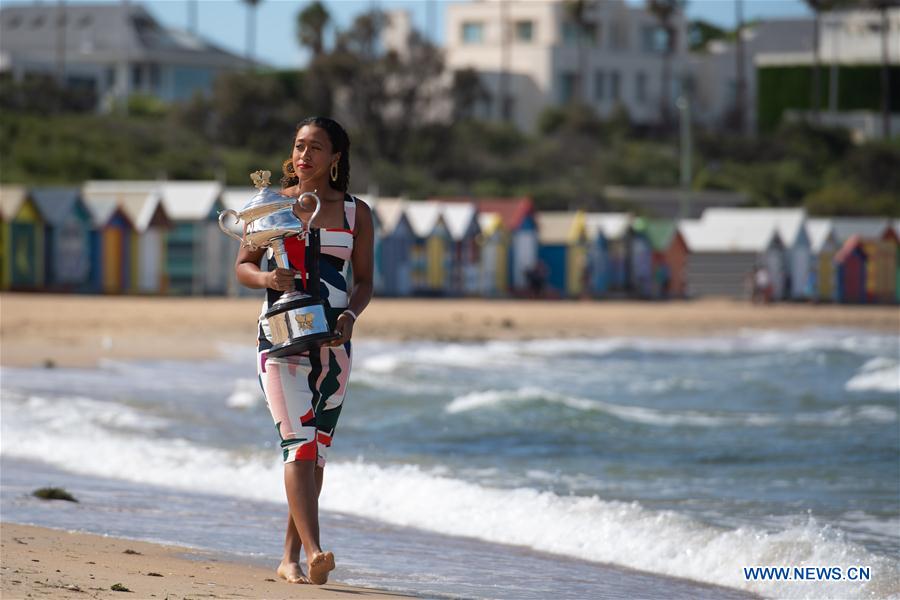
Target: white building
(533, 49)
(112, 50)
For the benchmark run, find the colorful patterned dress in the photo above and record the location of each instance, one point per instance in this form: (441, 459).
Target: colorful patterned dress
(305, 392)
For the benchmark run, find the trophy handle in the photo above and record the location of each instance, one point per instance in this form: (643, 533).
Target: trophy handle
(224, 227)
(315, 212)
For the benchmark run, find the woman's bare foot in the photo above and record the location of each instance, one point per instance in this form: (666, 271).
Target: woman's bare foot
(291, 572)
(319, 566)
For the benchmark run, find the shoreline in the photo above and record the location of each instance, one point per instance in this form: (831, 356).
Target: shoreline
(40, 561)
(80, 331)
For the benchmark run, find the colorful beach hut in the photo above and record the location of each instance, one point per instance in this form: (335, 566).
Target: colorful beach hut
(850, 272)
(894, 234)
(823, 246)
(23, 240)
(461, 220)
(494, 255)
(563, 250)
(394, 249)
(880, 260)
(199, 257)
(431, 264)
(609, 250)
(111, 247)
(669, 258)
(67, 233)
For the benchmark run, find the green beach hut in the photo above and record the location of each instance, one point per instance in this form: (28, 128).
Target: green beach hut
(23, 240)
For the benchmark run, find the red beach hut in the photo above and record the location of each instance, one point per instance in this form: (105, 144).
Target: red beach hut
(850, 271)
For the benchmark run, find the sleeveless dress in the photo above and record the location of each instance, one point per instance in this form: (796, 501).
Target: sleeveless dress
(305, 392)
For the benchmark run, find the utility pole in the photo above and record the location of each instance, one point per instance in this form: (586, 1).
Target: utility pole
(684, 111)
(192, 16)
(740, 100)
(61, 43)
(504, 61)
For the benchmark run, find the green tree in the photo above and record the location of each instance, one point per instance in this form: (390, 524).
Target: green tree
(312, 22)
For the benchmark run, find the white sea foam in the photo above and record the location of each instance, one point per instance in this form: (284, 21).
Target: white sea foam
(837, 417)
(589, 528)
(246, 394)
(878, 374)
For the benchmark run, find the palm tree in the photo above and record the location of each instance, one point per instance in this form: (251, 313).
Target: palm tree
(251, 28)
(311, 24)
(665, 12)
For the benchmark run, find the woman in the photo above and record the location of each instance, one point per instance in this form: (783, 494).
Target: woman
(305, 392)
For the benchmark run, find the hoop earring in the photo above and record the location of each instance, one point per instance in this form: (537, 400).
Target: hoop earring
(334, 172)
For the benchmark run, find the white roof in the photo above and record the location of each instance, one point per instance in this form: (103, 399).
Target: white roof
(423, 217)
(613, 226)
(236, 198)
(138, 199)
(864, 227)
(390, 211)
(555, 227)
(189, 200)
(11, 199)
(706, 236)
(101, 209)
(787, 221)
(819, 230)
(460, 218)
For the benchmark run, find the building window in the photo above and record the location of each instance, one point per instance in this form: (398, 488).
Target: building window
(136, 79)
(640, 87)
(567, 84)
(615, 86)
(653, 39)
(524, 31)
(472, 32)
(599, 86)
(586, 33)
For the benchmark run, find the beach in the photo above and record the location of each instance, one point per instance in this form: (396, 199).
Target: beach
(629, 431)
(50, 563)
(39, 329)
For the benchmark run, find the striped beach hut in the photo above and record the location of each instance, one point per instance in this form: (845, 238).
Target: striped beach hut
(199, 257)
(850, 272)
(564, 251)
(23, 240)
(823, 246)
(881, 258)
(723, 257)
(609, 235)
(67, 233)
(793, 283)
(396, 241)
(669, 258)
(494, 255)
(112, 247)
(461, 220)
(432, 249)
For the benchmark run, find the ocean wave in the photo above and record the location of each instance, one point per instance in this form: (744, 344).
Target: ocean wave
(838, 417)
(878, 374)
(586, 527)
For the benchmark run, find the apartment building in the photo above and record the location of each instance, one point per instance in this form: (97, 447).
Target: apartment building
(533, 54)
(112, 50)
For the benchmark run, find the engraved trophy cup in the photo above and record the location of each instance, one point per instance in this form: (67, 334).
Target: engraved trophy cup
(297, 320)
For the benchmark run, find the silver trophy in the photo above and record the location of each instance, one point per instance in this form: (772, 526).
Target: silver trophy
(297, 320)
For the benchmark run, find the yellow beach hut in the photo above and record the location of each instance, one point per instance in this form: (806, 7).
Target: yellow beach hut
(494, 254)
(431, 253)
(564, 250)
(823, 246)
(23, 240)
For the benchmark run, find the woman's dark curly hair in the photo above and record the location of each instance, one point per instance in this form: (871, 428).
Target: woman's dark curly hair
(340, 142)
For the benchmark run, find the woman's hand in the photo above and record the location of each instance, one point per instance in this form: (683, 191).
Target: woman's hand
(281, 280)
(344, 329)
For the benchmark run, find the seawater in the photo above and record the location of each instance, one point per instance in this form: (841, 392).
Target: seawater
(688, 457)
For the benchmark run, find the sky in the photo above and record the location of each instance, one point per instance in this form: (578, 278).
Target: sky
(223, 21)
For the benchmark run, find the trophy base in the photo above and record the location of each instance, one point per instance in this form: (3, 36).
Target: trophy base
(297, 324)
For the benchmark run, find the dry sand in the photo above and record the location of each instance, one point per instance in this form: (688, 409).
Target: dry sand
(79, 330)
(49, 563)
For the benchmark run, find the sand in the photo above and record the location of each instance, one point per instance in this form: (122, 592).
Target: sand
(49, 563)
(43, 329)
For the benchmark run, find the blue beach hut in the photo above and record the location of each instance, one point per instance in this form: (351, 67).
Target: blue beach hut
(67, 233)
(396, 240)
